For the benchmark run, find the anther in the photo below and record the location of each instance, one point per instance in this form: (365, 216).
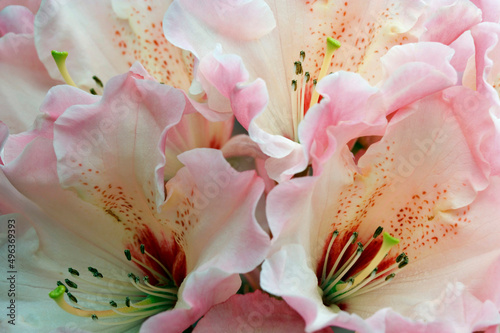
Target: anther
(98, 81)
(146, 278)
(142, 248)
(302, 55)
(98, 275)
(73, 298)
(390, 277)
(59, 283)
(404, 262)
(71, 284)
(113, 304)
(127, 301)
(354, 237)
(298, 68)
(94, 317)
(73, 272)
(92, 91)
(307, 76)
(294, 85)
(92, 270)
(400, 257)
(128, 255)
(378, 232)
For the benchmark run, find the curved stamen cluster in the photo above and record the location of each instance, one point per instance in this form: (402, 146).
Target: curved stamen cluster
(111, 301)
(338, 284)
(300, 81)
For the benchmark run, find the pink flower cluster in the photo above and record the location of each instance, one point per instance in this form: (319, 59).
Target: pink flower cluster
(251, 165)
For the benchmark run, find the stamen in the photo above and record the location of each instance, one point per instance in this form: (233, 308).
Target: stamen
(71, 284)
(73, 272)
(92, 91)
(331, 45)
(60, 59)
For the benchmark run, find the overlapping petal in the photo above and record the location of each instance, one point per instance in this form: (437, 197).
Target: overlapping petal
(24, 81)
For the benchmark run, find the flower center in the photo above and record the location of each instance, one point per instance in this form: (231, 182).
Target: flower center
(122, 302)
(359, 272)
(300, 84)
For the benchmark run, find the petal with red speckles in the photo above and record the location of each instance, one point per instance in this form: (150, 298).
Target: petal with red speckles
(104, 38)
(24, 80)
(427, 183)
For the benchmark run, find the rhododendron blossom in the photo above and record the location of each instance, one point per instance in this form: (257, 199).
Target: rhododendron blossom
(184, 239)
(396, 229)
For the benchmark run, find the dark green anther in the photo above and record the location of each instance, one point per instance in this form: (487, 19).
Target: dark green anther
(354, 237)
(92, 91)
(127, 302)
(378, 232)
(360, 248)
(142, 248)
(390, 277)
(59, 283)
(98, 275)
(128, 255)
(375, 270)
(400, 257)
(294, 85)
(335, 233)
(71, 283)
(146, 278)
(113, 304)
(315, 81)
(302, 55)
(92, 269)
(298, 68)
(404, 262)
(98, 81)
(307, 76)
(94, 317)
(73, 298)
(73, 272)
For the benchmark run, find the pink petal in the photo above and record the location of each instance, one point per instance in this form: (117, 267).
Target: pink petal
(414, 71)
(251, 312)
(32, 5)
(490, 10)
(446, 20)
(17, 20)
(24, 81)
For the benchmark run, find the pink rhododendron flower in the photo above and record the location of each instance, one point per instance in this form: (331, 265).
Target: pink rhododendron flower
(372, 246)
(280, 48)
(96, 185)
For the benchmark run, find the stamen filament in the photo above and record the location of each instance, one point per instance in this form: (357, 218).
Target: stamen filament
(162, 266)
(334, 267)
(325, 264)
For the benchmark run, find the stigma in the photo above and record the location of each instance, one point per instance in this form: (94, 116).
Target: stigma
(358, 268)
(112, 301)
(301, 82)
